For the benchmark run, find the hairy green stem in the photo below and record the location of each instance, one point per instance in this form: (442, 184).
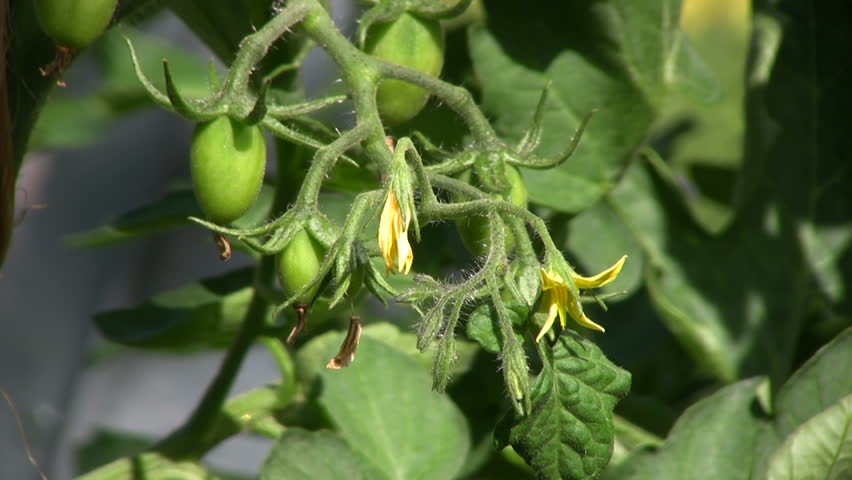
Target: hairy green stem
(483, 205)
(200, 430)
(254, 47)
(203, 430)
(457, 98)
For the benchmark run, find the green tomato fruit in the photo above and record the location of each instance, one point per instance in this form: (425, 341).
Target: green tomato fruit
(474, 230)
(228, 163)
(411, 42)
(298, 264)
(74, 24)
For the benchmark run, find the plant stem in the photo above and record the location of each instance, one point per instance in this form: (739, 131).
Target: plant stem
(203, 430)
(202, 424)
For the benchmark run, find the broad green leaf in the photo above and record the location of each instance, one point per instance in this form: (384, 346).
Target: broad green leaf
(811, 390)
(483, 326)
(728, 299)
(824, 246)
(172, 210)
(821, 448)
(150, 466)
(616, 57)
(801, 110)
(816, 385)
(629, 438)
(569, 433)
(384, 408)
(736, 301)
(713, 439)
(71, 122)
(300, 454)
(313, 357)
(632, 215)
(206, 313)
(703, 143)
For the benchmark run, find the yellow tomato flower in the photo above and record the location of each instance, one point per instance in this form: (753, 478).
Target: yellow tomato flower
(393, 236)
(559, 300)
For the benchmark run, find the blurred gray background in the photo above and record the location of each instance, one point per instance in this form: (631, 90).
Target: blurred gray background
(48, 292)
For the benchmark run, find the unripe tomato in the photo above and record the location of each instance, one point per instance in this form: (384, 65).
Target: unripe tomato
(411, 42)
(74, 23)
(228, 163)
(475, 231)
(298, 264)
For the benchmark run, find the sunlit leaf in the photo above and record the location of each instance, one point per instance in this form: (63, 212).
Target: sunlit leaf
(300, 454)
(569, 433)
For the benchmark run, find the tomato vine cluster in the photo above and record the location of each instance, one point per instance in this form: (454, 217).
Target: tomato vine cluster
(389, 80)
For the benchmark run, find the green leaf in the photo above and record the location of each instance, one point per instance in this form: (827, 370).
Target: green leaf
(800, 109)
(170, 211)
(384, 408)
(618, 57)
(811, 390)
(816, 385)
(690, 74)
(483, 325)
(569, 433)
(728, 299)
(313, 357)
(301, 454)
(202, 314)
(150, 466)
(821, 448)
(703, 143)
(70, 122)
(713, 439)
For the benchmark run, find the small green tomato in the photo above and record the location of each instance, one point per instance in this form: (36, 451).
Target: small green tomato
(74, 24)
(474, 230)
(298, 263)
(228, 163)
(411, 42)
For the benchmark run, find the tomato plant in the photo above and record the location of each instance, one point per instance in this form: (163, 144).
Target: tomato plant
(655, 194)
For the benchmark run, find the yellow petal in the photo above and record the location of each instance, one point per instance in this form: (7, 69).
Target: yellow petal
(600, 279)
(550, 279)
(386, 229)
(580, 317)
(393, 237)
(552, 311)
(562, 301)
(405, 256)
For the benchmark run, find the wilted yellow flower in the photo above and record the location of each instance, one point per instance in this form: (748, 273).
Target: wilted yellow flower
(393, 236)
(558, 300)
